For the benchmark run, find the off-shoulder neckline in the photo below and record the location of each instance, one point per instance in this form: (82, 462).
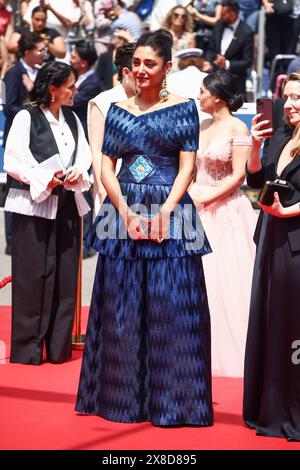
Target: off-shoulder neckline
(154, 111)
(223, 139)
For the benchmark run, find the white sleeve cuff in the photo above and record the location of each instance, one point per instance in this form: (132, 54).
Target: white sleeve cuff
(39, 180)
(82, 185)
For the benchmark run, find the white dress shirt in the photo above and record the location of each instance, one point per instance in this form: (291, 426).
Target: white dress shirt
(20, 164)
(31, 71)
(83, 77)
(228, 35)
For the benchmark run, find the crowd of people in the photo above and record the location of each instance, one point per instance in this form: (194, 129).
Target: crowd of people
(110, 23)
(173, 230)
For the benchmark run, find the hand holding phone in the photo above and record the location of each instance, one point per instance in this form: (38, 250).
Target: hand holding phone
(264, 107)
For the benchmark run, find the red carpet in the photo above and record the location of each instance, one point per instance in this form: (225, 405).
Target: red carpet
(37, 412)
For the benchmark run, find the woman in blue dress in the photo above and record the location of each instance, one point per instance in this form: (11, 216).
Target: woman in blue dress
(147, 349)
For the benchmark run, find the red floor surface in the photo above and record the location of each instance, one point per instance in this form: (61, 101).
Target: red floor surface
(37, 412)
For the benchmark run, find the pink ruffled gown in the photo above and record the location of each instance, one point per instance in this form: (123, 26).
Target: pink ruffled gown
(229, 224)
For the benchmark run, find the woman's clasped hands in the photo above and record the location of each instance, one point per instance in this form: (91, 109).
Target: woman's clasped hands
(145, 228)
(72, 177)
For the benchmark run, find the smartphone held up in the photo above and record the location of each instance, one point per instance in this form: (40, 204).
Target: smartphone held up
(264, 107)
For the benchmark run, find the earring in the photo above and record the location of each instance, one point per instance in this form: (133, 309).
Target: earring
(163, 94)
(52, 98)
(127, 81)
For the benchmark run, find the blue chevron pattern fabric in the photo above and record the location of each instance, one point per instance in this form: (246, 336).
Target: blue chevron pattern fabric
(147, 347)
(154, 138)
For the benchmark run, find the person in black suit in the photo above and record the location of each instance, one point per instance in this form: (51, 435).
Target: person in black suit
(105, 68)
(272, 372)
(83, 58)
(231, 45)
(19, 79)
(18, 83)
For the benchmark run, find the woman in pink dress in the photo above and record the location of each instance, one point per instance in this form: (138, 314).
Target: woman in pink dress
(228, 219)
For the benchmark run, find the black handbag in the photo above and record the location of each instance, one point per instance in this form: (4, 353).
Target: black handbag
(266, 196)
(283, 7)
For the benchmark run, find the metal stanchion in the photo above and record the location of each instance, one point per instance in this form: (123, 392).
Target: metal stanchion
(78, 338)
(261, 51)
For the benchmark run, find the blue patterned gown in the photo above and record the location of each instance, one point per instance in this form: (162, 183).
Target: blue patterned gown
(147, 349)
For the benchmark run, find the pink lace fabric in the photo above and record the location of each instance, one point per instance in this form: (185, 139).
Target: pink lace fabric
(214, 164)
(229, 224)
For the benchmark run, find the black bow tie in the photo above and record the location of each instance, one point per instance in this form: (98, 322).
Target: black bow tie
(229, 27)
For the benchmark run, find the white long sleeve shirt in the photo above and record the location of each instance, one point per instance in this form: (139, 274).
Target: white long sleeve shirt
(20, 164)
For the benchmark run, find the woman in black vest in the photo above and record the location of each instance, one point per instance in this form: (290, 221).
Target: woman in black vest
(47, 156)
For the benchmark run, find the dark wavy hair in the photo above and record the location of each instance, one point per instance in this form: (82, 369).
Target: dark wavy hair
(28, 42)
(87, 52)
(232, 5)
(38, 9)
(53, 73)
(123, 58)
(223, 85)
(161, 42)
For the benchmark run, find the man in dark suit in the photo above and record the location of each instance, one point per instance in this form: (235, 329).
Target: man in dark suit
(18, 83)
(104, 68)
(19, 79)
(231, 46)
(83, 58)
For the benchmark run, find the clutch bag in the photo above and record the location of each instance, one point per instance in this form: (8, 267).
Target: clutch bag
(281, 187)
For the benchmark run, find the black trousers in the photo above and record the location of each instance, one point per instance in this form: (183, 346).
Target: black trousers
(8, 229)
(45, 256)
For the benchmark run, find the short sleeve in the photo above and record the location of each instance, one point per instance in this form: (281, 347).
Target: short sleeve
(112, 134)
(53, 33)
(190, 128)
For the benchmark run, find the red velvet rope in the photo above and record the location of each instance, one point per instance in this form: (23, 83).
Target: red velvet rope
(5, 281)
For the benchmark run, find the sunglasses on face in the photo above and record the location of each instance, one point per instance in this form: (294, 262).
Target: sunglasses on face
(179, 15)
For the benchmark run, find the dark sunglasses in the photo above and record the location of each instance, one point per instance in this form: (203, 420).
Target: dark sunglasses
(179, 15)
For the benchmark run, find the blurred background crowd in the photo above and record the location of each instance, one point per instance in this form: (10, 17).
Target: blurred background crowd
(257, 41)
(108, 24)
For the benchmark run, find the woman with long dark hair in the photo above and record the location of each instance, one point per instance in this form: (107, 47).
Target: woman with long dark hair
(47, 156)
(147, 350)
(228, 219)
